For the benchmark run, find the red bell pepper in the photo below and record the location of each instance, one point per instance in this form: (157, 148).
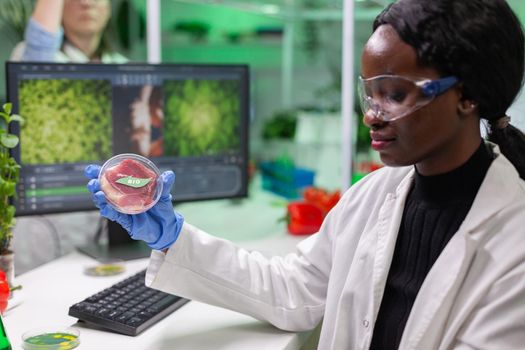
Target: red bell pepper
(4, 292)
(304, 218)
(321, 198)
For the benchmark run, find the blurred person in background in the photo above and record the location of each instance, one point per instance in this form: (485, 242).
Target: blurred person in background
(64, 31)
(68, 31)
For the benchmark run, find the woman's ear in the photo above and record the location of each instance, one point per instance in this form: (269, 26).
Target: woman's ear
(465, 104)
(466, 107)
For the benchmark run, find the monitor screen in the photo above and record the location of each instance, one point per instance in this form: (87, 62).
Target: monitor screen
(192, 119)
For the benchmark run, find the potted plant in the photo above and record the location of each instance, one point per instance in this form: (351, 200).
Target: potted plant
(9, 175)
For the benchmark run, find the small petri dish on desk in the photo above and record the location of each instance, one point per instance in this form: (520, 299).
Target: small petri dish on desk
(105, 267)
(51, 338)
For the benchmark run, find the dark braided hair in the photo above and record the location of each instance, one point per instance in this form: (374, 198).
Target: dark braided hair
(479, 41)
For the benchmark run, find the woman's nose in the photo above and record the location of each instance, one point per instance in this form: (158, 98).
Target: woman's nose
(372, 118)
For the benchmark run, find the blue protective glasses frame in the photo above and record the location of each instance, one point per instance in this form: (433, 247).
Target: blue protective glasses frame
(438, 86)
(429, 89)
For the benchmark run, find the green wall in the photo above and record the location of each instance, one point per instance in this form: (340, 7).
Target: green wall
(519, 7)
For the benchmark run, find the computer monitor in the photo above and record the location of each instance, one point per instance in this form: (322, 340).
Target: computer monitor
(192, 119)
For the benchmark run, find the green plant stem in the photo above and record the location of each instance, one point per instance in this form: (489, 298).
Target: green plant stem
(15, 288)
(9, 175)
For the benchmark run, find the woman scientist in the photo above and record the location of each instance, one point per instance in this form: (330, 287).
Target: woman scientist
(426, 253)
(68, 31)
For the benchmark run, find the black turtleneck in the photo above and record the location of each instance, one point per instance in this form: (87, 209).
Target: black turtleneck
(435, 208)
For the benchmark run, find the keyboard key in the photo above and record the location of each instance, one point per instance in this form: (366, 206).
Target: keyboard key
(124, 316)
(134, 321)
(113, 314)
(102, 312)
(144, 314)
(90, 309)
(167, 300)
(81, 306)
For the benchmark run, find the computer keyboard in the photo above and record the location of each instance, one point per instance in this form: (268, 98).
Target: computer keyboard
(127, 307)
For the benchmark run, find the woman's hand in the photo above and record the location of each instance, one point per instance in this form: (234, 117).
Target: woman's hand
(159, 227)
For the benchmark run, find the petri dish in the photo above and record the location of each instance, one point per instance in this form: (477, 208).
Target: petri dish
(105, 267)
(131, 183)
(51, 338)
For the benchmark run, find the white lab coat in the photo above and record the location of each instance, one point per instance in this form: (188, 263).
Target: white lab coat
(472, 298)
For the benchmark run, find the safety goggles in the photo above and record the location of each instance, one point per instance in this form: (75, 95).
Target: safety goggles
(390, 97)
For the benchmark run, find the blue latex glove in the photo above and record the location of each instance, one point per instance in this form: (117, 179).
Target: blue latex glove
(159, 227)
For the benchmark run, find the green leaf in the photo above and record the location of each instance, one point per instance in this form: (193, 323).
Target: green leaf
(5, 118)
(9, 140)
(133, 181)
(10, 213)
(3, 191)
(10, 188)
(12, 161)
(8, 107)
(17, 118)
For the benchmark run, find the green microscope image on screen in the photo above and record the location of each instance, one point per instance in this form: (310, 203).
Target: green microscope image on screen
(205, 112)
(70, 120)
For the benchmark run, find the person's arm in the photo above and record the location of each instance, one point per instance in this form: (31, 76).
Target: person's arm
(48, 14)
(288, 292)
(44, 34)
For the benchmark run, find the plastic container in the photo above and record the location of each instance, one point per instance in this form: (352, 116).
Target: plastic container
(51, 338)
(286, 181)
(131, 183)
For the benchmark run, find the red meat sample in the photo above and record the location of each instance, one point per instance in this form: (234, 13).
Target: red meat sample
(126, 198)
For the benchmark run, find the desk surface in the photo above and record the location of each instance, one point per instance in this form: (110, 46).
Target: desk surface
(50, 289)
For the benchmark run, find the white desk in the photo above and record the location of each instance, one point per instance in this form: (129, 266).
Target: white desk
(50, 289)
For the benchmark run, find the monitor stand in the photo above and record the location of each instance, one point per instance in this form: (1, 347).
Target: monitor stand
(118, 245)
